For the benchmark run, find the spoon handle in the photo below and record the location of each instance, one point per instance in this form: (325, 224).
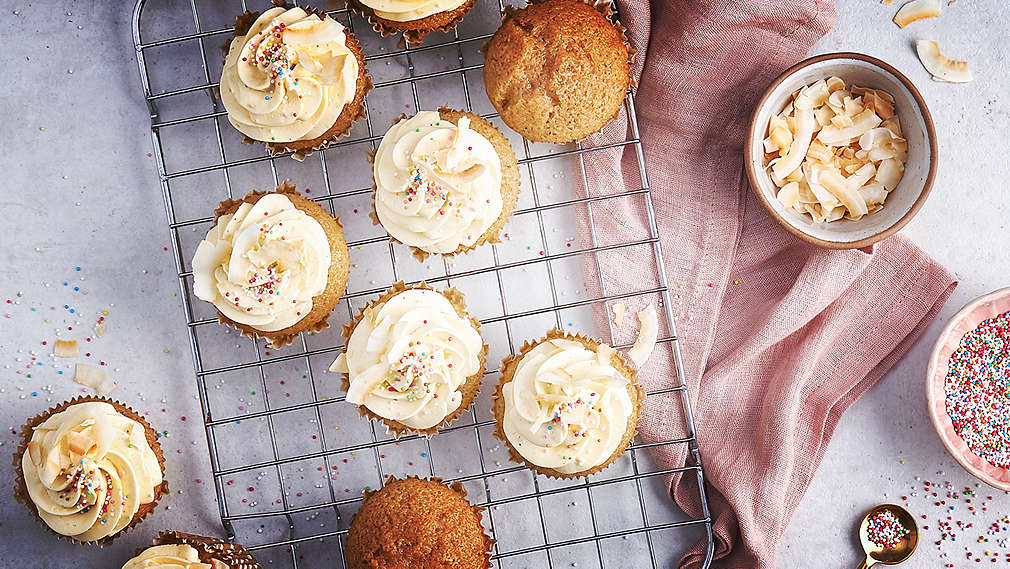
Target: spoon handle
(867, 563)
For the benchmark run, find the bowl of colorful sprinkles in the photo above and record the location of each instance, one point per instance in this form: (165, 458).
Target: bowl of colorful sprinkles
(968, 388)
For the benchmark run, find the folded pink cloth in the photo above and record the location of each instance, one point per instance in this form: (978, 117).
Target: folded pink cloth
(778, 337)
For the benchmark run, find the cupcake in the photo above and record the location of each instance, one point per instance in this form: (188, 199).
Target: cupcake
(412, 18)
(177, 550)
(413, 359)
(293, 78)
(418, 523)
(445, 182)
(558, 70)
(274, 264)
(566, 405)
(90, 468)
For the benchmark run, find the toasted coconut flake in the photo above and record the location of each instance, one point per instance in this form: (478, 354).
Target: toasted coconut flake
(812, 96)
(834, 84)
(889, 173)
(100, 329)
(95, 378)
(798, 149)
(604, 353)
(917, 10)
(940, 66)
(789, 195)
(619, 309)
(66, 349)
(834, 136)
(873, 193)
(648, 333)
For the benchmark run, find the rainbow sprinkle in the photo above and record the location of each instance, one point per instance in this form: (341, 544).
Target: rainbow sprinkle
(977, 390)
(884, 530)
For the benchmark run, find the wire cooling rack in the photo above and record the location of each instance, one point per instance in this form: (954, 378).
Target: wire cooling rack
(289, 458)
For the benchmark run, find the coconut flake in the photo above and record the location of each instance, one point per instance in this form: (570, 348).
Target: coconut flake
(66, 349)
(95, 378)
(619, 309)
(917, 10)
(648, 333)
(339, 365)
(940, 66)
(100, 329)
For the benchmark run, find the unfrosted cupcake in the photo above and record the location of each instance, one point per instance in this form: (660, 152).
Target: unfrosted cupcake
(274, 264)
(177, 550)
(566, 405)
(413, 360)
(412, 18)
(558, 70)
(293, 78)
(420, 524)
(90, 469)
(446, 181)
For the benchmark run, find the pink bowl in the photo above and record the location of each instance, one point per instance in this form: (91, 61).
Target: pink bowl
(964, 321)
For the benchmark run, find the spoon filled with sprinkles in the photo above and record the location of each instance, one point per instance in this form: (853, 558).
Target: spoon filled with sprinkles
(888, 535)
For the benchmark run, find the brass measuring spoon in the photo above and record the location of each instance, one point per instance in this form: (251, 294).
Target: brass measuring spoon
(893, 555)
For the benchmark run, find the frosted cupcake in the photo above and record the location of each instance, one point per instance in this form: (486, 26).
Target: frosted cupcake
(446, 181)
(274, 264)
(413, 360)
(566, 405)
(90, 469)
(177, 550)
(293, 78)
(412, 18)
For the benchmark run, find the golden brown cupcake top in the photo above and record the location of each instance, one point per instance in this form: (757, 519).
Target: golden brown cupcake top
(557, 70)
(418, 524)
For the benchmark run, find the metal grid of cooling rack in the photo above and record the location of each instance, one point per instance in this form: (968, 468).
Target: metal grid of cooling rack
(288, 541)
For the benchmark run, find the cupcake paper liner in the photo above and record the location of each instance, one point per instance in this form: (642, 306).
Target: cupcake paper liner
(351, 113)
(456, 486)
(469, 387)
(231, 555)
(413, 30)
(337, 279)
(510, 175)
(508, 368)
(21, 489)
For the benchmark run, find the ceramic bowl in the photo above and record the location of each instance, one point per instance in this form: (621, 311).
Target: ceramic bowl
(963, 322)
(916, 125)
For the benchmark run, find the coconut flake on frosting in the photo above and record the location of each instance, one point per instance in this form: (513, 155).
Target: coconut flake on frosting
(407, 358)
(438, 184)
(566, 406)
(289, 77)
(410, 10)
(262, 265)
(88, 469)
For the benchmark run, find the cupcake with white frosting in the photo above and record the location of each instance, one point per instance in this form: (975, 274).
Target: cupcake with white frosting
(177, 550)
(274, 264)
(566, 405)
(293, 78)
(413, 359)
(90, 469)
(413, 18)
(446, 182)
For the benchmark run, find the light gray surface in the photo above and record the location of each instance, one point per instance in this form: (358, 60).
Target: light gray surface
(83, 192)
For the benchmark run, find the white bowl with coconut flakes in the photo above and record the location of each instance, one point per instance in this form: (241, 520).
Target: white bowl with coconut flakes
(857, 226)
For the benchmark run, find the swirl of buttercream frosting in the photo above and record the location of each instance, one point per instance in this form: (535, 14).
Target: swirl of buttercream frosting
(566, 407)
(173, 556)
(437, 184)
(407, 358)
(289, 77)
(262, 265)
(88, 470)
(409, 10)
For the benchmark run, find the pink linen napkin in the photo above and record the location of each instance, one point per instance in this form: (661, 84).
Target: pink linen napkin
(778, 337)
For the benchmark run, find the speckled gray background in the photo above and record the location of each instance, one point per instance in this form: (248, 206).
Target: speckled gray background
(81, 191)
